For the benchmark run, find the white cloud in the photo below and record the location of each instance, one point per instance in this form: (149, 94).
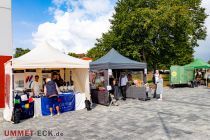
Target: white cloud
(97, 6)
(206, 4)
(58, 2)
(75, 31)
(77, 24)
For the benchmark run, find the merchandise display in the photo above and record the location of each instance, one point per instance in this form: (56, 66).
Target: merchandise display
(114, 69)
(35, 66)
(24, 104)
(66, 104)
(38, 105)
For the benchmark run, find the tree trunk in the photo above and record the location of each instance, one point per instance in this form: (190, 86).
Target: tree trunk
(154, 66)
(144, 56)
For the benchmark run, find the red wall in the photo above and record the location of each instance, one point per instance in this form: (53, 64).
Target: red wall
(3, 59)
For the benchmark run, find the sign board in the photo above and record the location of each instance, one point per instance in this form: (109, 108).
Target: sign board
(145, 71)
(110, 71)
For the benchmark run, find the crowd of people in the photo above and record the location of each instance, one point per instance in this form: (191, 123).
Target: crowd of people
(201, 76)
(126, 81)
(158, 82)
(120, 85)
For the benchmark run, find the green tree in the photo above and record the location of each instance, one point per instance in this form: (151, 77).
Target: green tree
(20, 51)
(103, 46)
(159, 32)
(73, 54)
(209, 62)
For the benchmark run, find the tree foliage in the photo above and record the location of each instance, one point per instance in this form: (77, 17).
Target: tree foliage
(209, 62)
(73, 54)
(20, 51)
(159, 32)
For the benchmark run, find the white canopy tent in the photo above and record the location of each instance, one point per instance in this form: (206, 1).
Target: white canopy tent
(47, 57)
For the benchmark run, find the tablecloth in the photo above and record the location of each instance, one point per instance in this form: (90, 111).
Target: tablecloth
(37, 107)
(79, 101)
(100, 97)
(136, 92)
(67, 103)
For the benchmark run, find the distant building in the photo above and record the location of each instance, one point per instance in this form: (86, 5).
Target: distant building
(82, 56)
(87, 58)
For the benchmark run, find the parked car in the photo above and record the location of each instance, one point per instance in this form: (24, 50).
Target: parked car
(164, 71)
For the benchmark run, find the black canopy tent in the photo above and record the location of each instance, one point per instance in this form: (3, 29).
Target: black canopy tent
(114, 60)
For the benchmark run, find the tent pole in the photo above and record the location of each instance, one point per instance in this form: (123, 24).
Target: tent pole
(206, 78)
(108, 77)
(13, 87)
(116, 75)
(64, 74)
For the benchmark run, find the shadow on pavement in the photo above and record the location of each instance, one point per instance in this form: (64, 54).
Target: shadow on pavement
(93, 105)
(167, 131)
(187, 103)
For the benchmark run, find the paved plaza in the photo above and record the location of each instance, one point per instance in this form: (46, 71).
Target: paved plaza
(184, 114)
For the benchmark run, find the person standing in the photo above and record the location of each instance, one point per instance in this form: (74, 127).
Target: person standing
(36, 90)
(160, 87)
(59, 81)
(155, 79)
(147, 89)
(116, 89)
(36, 87)
(51, 91)
(207, 76)
(198, 78)
(123, 83)
(111, 83)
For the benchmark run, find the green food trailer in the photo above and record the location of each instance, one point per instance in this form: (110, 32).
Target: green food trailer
(179, 75)
(183, 75)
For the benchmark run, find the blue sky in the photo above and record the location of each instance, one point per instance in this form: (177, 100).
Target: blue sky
(26, 17)
(72, 25)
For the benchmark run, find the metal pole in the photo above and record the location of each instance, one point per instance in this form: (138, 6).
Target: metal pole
(108, 77)
(64, 74)
(13, 87)
(206, 78)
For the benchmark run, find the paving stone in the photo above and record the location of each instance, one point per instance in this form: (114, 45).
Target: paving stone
(182, 114)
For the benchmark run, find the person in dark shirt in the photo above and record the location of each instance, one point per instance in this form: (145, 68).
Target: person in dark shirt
(59, 81)
(111, 79)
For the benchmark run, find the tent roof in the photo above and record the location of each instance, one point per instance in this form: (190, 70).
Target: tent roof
(198, 63)
(46, 56)
(114, 60)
